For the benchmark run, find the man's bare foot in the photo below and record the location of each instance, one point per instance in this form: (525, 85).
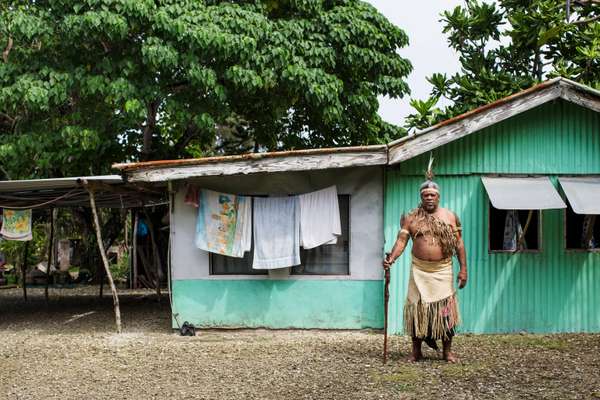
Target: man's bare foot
(414, 357)
(451, 358)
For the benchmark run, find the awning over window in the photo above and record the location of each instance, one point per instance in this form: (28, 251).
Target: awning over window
(583, 193)
(522, 193)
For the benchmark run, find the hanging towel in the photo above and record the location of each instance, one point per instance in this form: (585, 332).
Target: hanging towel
(16, 225)
(319, 218)
(276, 232)
(223, 223)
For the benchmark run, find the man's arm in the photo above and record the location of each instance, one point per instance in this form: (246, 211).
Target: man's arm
(461, 253)
(400, 245)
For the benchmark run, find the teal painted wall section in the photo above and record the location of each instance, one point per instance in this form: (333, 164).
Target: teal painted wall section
(551, 291)
(557, 137)
(326, 304)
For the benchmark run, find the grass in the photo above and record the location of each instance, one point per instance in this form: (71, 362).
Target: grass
(404, 377)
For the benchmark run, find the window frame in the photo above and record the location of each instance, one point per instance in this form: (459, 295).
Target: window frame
(292, 275)
(538, 250)
(565, 241)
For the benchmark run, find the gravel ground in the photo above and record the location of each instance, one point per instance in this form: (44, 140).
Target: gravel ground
(67, 350)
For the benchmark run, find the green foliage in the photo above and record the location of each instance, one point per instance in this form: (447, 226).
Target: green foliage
(120, 269)
(38, 247)
(90, 82)
(508, 46)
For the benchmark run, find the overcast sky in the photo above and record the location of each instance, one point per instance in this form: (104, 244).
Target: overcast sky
(428, 50)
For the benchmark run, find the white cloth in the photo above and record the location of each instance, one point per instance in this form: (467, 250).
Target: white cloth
(243, 228)
(319, 218)
(276, 232)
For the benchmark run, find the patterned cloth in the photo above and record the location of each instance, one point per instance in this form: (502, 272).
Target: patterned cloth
(224, 223)
(16, 225)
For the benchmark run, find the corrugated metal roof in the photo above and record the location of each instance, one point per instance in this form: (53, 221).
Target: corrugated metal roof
(110, 192)
(491, 114)
(56, 183)
(126, 167)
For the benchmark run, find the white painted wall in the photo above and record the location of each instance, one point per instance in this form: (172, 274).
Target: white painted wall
(364, 185)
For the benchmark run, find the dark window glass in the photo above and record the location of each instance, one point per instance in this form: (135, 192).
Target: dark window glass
(582, 231)
(330, 259)
(504, 223)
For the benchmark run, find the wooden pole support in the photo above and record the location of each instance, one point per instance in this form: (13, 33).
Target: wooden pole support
(113, 288)
(50, 251)
(24, 269)
(135, 249)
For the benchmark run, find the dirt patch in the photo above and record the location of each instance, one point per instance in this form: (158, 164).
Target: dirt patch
(68, 349)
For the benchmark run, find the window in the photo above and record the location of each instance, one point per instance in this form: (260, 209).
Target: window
(582, 228)
(323, 260)
(582, 232)
(506, 227)
(331, 259)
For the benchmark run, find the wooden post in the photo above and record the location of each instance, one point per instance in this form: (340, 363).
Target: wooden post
(24, 269)
(134, 255)
(105, 260)
(101, 277)
(50, 251)
(155, 255)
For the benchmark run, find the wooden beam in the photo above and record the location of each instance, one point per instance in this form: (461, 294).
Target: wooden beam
(579, 97)
(105, 261)
(267, 164)
(427, 141)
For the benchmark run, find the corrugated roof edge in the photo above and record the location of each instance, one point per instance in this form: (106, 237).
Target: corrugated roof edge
(57, 183)
(127, 167)
(499, 102)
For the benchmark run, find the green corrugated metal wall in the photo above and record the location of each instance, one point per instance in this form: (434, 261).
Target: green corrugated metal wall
(551, 291)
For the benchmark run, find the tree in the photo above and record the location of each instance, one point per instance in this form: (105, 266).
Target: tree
(508, 46)
(85, 83)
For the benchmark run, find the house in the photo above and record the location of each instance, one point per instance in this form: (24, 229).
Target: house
(337, 286)
(537, 151)
(531, 158)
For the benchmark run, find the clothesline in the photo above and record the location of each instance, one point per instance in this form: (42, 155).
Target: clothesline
(280, 226)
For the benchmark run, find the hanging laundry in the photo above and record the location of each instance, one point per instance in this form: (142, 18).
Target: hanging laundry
(588, 241)
(319, 218)
(223, 224)
(276, 232)
(142, 229)
(512, 231)
(192, 194)
(16, 225)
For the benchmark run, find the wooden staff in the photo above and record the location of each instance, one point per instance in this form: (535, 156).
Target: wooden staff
(386, 297)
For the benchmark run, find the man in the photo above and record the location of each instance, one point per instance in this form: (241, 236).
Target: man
(431, 309)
